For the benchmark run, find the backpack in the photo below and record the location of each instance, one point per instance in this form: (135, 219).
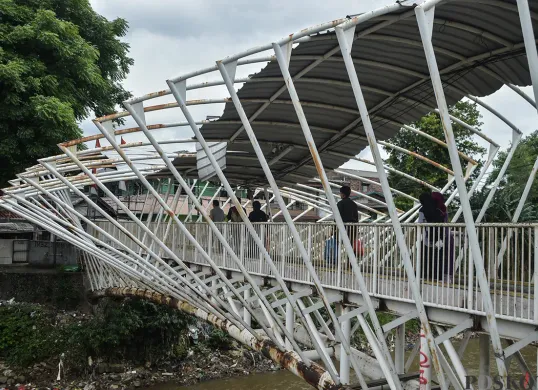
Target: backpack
(358, 248)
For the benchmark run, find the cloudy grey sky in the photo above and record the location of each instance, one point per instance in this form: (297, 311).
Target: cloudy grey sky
(172, 37)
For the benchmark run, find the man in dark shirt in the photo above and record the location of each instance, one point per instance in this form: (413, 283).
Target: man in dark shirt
(349, 211)
(257, 215)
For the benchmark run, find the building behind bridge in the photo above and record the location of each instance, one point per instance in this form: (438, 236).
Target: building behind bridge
(135, 198)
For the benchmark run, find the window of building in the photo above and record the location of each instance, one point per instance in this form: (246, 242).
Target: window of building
(365, 187)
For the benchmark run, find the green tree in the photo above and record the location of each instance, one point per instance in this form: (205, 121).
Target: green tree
(508, 194)
(431, 124)
(59, 62)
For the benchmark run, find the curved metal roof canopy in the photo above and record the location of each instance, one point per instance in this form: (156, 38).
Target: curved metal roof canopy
(478, 50)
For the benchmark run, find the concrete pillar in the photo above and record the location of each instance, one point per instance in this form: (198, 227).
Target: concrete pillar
(484, 343)
(425, 359)
(344, 358)
(399, 349)
(290, 323)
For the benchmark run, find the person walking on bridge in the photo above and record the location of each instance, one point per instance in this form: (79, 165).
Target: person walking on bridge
(433, 237)
(216, 214)
(236, 229)
(448, 258)
(349, 211)
(257, 215)
(233, 214)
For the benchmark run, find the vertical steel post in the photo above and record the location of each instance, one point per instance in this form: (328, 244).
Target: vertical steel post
(399, 349)
(345, 41)
(290, 322)
(425, 23)
(470, 281)
(375, 270)
(344, 359)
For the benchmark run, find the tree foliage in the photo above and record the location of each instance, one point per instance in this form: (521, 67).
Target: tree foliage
(59, 62)
(431, 124)
(510, 188)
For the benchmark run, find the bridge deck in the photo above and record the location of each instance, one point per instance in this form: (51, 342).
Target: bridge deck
(511, 275)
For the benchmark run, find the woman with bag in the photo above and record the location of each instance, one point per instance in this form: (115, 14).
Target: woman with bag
(433, 247)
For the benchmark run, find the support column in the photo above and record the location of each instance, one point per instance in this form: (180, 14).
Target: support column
(290, 323)
(247, 317)
(425, 358)
(344, 357)
(484, 342)
(399, 349)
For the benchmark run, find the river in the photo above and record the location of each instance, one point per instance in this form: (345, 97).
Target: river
(285, 380)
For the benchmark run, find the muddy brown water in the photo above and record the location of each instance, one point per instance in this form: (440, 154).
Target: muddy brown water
(286, 380)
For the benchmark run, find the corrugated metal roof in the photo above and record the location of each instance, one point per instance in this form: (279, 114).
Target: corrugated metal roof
(16, 227)
(5, 214)
(479, 47)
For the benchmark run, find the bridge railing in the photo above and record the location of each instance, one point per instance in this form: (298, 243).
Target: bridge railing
(440, 255)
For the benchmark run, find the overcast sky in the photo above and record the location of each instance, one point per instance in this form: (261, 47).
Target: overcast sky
(172, 37)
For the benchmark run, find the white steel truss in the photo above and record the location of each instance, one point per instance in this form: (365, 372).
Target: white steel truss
(325, 94)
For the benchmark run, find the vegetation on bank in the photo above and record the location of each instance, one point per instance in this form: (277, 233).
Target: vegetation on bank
(132, 331)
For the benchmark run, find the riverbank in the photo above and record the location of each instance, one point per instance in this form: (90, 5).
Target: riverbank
(199, 367)
(43, 347)
(126, 344)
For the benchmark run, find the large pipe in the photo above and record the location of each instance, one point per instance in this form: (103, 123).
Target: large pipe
(313, 374)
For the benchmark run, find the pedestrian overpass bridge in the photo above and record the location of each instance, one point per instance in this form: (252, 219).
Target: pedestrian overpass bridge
(453, 304)
(300, 292)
